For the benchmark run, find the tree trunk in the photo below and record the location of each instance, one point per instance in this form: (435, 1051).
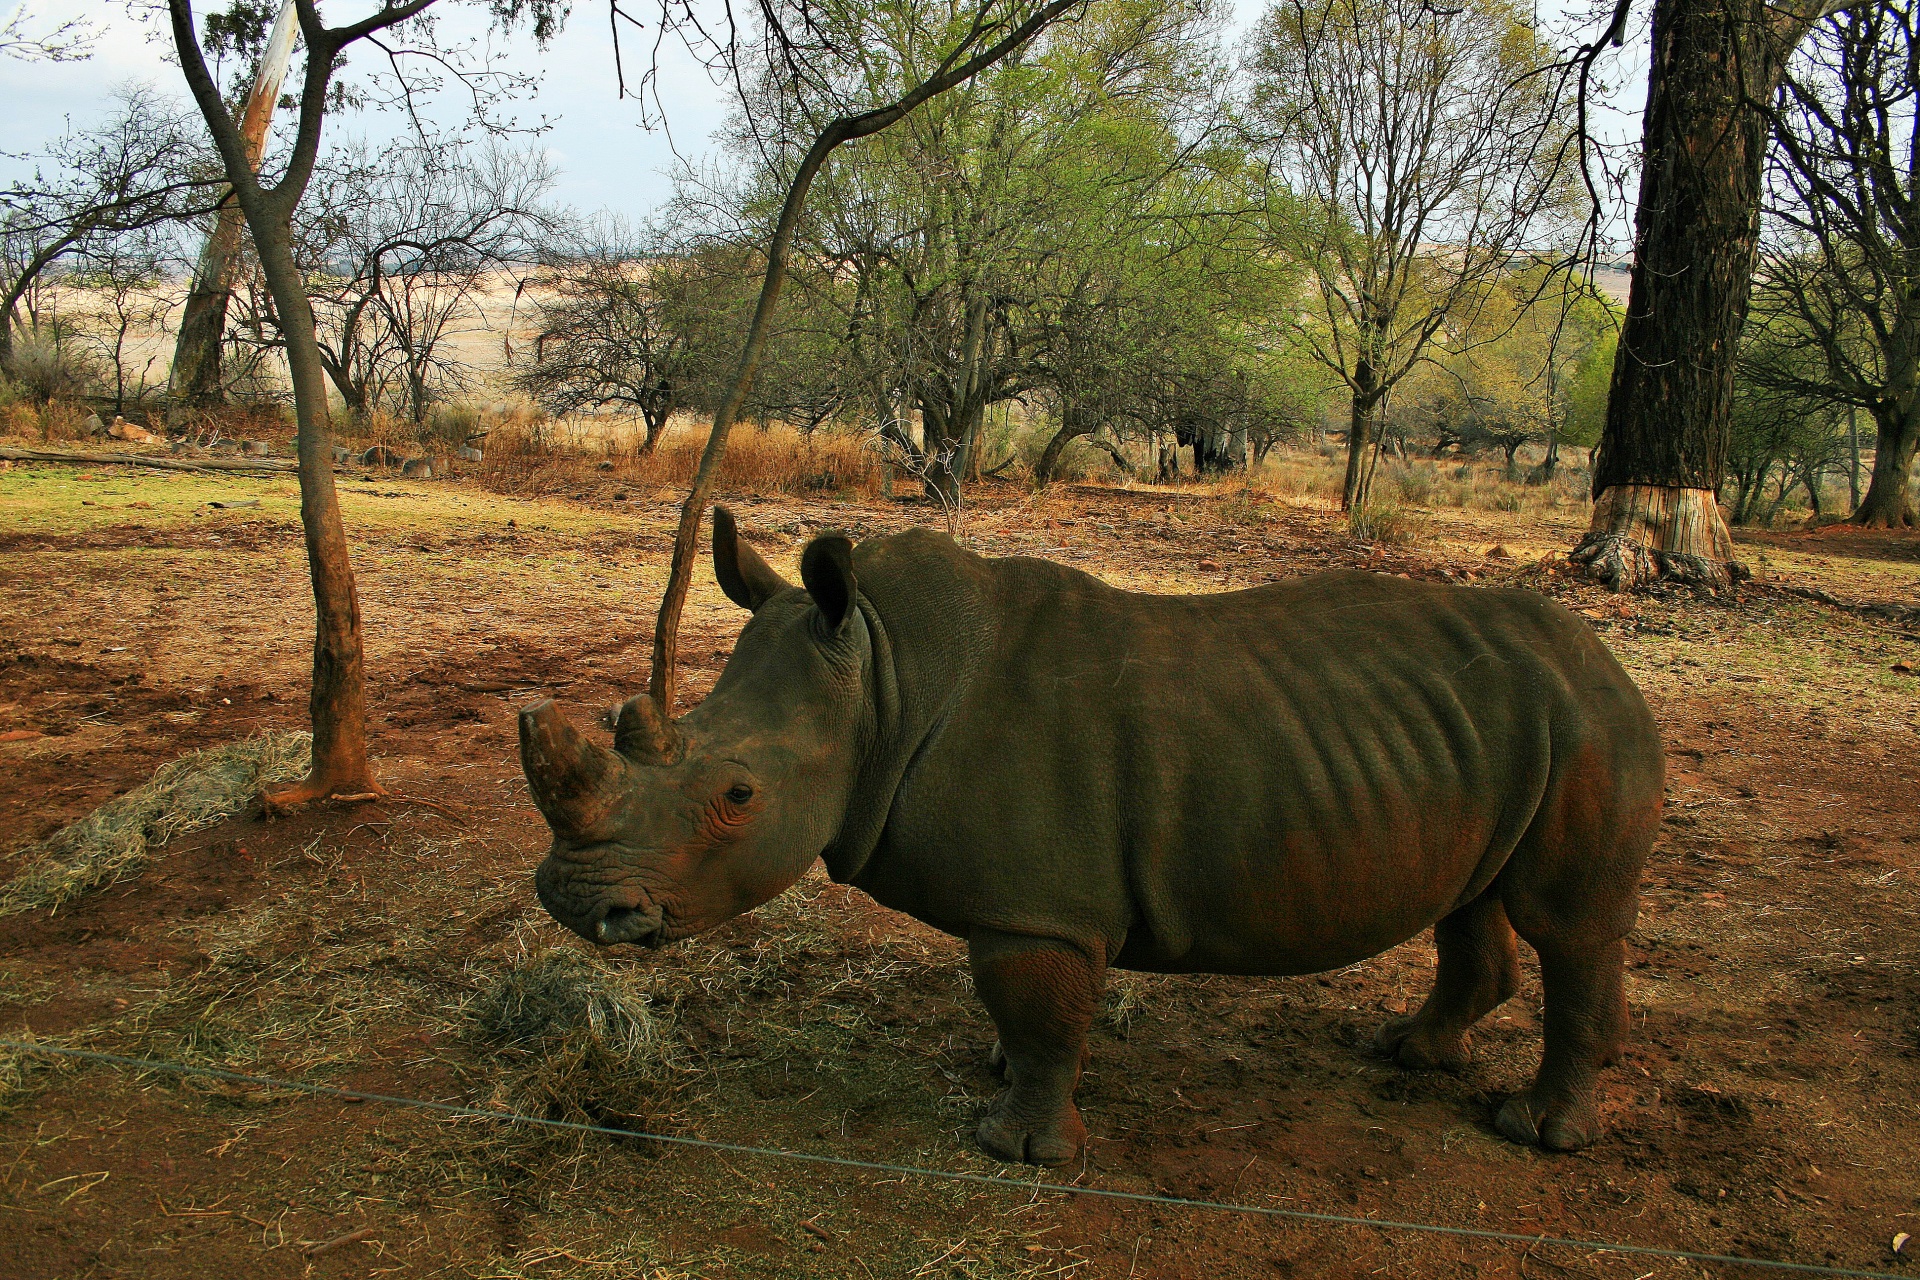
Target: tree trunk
(338, 702)
(1663, 450)
(1072, 427)
(656, 420)
(1359, 435)
(1853, 456)
(1656, 524)
(196, 380)
(1887, 505)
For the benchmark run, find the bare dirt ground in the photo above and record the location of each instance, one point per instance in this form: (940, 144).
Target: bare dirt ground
(1767, 1104)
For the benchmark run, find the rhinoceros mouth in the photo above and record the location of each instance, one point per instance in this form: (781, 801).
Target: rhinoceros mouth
(629, 924)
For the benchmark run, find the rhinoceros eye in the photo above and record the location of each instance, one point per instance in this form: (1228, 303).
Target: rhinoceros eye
(740, 793)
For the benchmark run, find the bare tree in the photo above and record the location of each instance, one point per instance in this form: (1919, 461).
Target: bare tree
(401, 246)
(1429, 158)
(141, 168)
(1843, 268)
(23, 37)
(126, 293)
(608, 333)
(337, 702)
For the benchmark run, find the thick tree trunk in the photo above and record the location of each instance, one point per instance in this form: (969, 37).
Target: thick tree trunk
(1887, 504)
(1715, 65)
(196, 379)
(1658, 531)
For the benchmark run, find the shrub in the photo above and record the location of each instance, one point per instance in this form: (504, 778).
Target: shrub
(46, 369)
(1385, 522)
(1416, 483)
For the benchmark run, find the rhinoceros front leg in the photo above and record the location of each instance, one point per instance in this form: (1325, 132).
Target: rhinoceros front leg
(1041, 993)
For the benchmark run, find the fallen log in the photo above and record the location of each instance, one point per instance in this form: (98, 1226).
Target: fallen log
(269, 467)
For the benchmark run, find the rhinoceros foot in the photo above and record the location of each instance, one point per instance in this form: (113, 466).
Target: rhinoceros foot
(1010, 1132)
(1558, 1124)
(1421, 1044)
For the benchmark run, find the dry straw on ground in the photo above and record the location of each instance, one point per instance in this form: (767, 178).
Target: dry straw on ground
(113, 841)
(576, 1038)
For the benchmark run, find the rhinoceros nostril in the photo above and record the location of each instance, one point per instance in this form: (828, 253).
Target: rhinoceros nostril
(624, 924)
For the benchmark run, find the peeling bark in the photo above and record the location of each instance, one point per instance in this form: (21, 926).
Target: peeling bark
(1643, 532)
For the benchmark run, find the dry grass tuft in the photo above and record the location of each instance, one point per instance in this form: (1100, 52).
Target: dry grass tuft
(576, 1038)
(1388, 523)
(113, 841)
(1128, 995)
(23, 1074)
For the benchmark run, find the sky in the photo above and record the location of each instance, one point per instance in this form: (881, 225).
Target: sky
(606, 157)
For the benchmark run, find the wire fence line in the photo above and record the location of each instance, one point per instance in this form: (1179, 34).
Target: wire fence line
(1022, 1185)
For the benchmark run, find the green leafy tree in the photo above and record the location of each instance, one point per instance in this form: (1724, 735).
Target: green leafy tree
(1421, 154)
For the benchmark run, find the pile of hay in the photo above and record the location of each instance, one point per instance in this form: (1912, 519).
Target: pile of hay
(113, 841)
(24, 1073)
(574, 1038)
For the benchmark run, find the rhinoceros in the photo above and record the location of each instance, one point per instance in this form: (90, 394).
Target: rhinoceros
(1074, 778)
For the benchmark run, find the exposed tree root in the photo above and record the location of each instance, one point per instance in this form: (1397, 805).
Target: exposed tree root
(1644, 533)
(287, 799)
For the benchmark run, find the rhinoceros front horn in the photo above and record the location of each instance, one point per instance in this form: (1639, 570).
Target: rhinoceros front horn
(574, 782)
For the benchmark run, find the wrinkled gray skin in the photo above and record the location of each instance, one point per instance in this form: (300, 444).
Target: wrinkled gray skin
(1072, 778)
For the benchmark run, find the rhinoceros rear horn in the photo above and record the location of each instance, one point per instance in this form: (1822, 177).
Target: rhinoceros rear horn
(748, 580)
(644, 736)
(575, 783)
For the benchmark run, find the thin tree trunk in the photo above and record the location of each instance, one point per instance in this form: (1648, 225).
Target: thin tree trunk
(338, 701)
(666, 631)
(1853, 456)
(1359, 436)
(1662, 454)
(196, 377)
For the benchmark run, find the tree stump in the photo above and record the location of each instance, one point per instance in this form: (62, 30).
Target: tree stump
(1641, 532)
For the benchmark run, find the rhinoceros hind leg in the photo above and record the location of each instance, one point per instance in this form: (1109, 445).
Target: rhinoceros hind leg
(1479, 969)
(1586, 1029)
(1041, 994)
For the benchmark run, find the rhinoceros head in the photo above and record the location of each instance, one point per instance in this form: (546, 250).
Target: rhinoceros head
(683, 824)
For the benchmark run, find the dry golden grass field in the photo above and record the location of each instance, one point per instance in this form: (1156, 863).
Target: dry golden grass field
(1768, 1105)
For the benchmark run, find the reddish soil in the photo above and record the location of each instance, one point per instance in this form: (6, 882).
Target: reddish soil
(1766, 1107)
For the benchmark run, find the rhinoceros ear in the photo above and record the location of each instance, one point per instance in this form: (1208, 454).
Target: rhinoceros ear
(826, 567)
(748, 580)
